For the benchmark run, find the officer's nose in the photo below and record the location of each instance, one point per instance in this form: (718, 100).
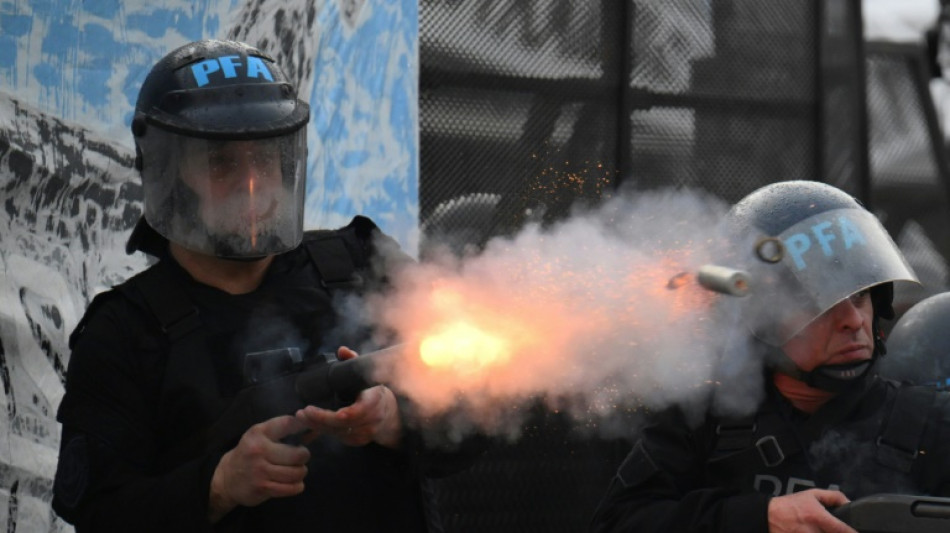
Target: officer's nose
(246, 167)
(848, 314)
(246, 172)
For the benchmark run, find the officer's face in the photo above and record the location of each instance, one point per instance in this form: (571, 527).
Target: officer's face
(840, 335)
(238, 183)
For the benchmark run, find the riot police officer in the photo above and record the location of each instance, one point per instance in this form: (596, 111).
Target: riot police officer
(822, 270)
(220, 137)
(919, 344)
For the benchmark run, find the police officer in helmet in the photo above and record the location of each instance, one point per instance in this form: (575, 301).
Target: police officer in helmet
(220, 141)
(822, 270)
(221, 145)
(919, 344)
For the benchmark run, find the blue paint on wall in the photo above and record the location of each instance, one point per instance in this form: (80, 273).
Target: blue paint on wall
(46, 74)
(64, 40)
(106, 9)
(372, 60)
(154, 24)
(15, 25)
(12, 26)
(7, 52)
(46, 8)
(102, 53)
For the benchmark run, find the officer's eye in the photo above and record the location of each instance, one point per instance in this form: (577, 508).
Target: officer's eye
(860, 297)
(220, 166)
(266, 159)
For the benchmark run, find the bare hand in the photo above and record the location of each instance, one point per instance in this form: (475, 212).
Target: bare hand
(806, 512)
(373, 417)
(260, 467)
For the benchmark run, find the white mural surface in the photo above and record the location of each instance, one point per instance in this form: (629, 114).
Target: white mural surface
(69, 76)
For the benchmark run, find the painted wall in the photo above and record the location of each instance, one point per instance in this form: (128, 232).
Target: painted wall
(69, 75)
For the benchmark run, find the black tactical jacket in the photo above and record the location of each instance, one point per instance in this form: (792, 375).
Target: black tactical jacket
(720, 476)
(136, 393)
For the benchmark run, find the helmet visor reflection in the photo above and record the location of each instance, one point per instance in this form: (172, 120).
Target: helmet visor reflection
(234, 198)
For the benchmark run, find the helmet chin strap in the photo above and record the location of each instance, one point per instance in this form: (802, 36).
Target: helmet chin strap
(833, 378)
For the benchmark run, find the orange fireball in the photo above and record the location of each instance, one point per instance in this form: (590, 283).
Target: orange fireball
(464, 349)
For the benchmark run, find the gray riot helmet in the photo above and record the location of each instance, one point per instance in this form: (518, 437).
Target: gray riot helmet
(808, 246)
(919, 344)
(221, 144)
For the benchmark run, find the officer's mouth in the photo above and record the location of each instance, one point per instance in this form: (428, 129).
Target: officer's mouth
(254, 216)
(851, 354)
(269, 212)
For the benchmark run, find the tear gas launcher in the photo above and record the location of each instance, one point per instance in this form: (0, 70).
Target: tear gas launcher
(896, 513)
(279, 382)
(327, 381)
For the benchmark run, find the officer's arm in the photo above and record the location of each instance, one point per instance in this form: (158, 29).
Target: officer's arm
(107, 478)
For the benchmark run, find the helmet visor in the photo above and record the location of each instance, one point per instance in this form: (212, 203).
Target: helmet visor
(228, 198)
(815, 264)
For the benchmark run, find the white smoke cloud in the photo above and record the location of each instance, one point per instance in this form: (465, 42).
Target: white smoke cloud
(587, 315)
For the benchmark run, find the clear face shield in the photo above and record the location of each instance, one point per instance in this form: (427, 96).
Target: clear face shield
(228, 198)
(811, 266)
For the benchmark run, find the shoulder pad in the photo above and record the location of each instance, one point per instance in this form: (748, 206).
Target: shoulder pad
(363, 226)
(97, 302)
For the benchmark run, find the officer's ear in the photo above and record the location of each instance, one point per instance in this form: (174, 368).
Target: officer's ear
(882, 297)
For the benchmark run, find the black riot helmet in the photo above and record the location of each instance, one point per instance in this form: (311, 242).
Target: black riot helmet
(919, 344)
(220, 141)
(808, 246)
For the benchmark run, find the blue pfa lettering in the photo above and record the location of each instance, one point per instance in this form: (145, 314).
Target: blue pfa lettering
(230, 67)
(829, 236)
(850, 233)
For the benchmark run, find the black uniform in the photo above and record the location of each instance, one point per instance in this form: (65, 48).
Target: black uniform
(136, 394)
(720, 476)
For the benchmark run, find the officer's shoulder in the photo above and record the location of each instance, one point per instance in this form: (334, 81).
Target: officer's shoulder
(115, 306)
(119, 295)
(363, 238)
(940, 413)
(938, 399)
(360, 227)
(107, 299)
(107, 306)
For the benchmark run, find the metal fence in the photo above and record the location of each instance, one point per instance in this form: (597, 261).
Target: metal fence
(910, 185)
